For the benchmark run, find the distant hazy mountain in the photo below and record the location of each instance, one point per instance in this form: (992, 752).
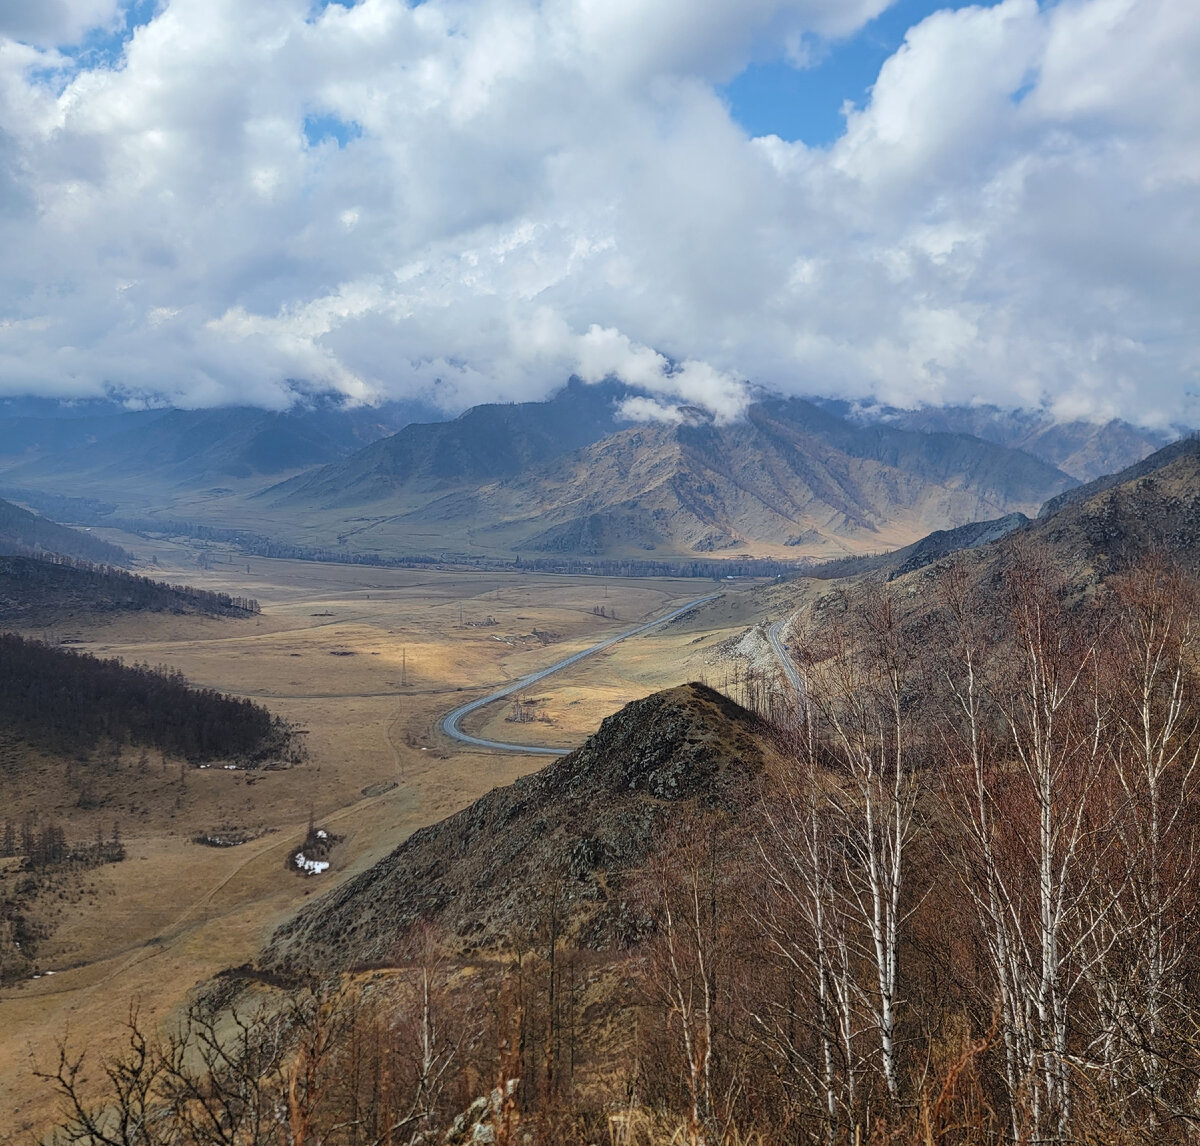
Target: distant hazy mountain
(791, 476)
(28, 437)
(187, 447)
(485, 443)
(1085, 450)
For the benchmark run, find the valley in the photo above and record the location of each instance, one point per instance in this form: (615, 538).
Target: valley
(462, 742)
(364, 662)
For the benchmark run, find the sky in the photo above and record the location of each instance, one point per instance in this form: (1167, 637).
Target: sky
(207, 202)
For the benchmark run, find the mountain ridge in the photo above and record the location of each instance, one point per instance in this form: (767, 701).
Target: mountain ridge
(789, 476)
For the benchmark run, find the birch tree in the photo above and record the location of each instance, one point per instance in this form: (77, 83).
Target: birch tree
(1029, 729)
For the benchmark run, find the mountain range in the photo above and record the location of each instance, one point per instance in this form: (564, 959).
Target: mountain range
(567, 476)
(561, 477)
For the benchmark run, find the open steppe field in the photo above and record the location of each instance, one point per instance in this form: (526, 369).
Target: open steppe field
(365, 661)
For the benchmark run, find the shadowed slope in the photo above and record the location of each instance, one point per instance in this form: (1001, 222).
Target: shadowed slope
(581, 823)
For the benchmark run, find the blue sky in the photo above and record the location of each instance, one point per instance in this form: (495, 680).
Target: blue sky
(772, 97)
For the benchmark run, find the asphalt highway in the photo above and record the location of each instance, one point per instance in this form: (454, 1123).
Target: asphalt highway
(775, 637)
(451, 721)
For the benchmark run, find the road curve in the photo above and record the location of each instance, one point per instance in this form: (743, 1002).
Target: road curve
(775, 638)
(450, 722)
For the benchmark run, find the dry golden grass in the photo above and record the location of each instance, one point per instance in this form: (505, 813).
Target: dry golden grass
(174, 912)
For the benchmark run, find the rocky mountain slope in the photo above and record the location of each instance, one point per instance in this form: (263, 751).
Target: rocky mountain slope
(1151, 508)
(576, 829)
(790, 478)
(486, 443)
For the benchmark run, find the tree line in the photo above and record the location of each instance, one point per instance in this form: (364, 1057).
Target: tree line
(53, 583)
(73, 702)
(45, 845)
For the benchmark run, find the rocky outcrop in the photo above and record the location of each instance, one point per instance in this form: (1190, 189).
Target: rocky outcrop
(573, 831)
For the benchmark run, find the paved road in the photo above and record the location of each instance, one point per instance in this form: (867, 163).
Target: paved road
(450, 722)
(775, 637)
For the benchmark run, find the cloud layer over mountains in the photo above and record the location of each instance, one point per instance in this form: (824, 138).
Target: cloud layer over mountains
(476, 198)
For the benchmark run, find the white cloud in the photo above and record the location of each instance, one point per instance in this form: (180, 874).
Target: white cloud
(50, 23)
(641, 409)
(524, 189)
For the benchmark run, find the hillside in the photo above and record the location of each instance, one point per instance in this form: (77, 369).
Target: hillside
(584, 821)
(72, 702)
(485, 443)
(22, 532)
(790, 479)
(37, 592)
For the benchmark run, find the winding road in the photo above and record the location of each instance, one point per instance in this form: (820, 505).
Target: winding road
(775, 638)
(450, 722)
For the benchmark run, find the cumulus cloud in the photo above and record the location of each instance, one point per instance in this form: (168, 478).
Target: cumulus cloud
(474, 199)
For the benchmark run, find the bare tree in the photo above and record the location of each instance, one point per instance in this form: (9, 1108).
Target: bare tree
(809, 1033)
(1029, 789)
(857, 689)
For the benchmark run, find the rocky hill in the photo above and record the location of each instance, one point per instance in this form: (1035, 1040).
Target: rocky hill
(580, 825)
